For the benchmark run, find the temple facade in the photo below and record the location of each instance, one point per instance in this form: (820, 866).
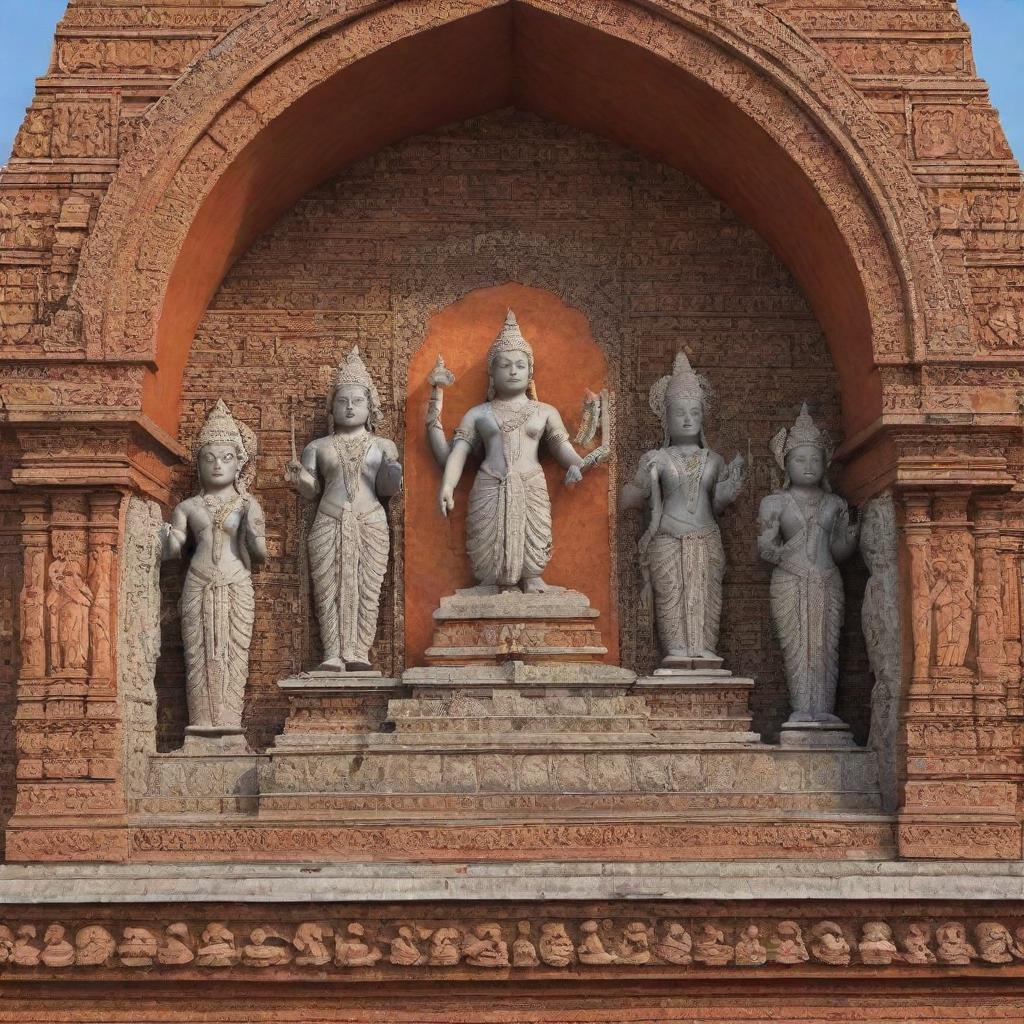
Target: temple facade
(511, 511)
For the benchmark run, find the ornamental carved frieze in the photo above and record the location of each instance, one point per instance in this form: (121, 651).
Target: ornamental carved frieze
(483, 947)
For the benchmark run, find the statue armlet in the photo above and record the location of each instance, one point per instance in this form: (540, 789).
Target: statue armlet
(463, 434)
(556, 437)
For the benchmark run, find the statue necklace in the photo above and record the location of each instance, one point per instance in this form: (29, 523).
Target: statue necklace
(518, 414)
(220, 509)
(690, 467)
(810, 510)
(351, 453)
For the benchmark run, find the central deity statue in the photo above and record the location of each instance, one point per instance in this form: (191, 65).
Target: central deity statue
(508, 536)
(350, 470)
(686, 486)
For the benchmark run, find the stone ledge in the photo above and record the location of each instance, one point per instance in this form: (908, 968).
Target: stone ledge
(541, 880)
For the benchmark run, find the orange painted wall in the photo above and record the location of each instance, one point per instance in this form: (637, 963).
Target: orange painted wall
(567, 361)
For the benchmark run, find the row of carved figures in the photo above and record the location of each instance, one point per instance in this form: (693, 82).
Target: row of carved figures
(805, 530)
(597, 944)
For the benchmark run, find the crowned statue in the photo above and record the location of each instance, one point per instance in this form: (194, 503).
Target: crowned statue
(685, 486)
(226, 525)
(508, 535)
(805, 531)
(349, 470)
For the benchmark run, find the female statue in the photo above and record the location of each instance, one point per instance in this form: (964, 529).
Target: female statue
(217, 606)
(509, 516)
(349, 470)
(805, 530)
(686, 485)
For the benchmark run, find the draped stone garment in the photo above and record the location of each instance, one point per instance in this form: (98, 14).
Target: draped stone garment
(217, 613)
(509, 527)
(348, 557)
(807, 607)
(686, 573)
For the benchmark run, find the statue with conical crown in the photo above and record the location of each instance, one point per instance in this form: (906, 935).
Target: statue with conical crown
(350, 470)
(805, 531)
(685, 485)
(228, 529)
(508, 535)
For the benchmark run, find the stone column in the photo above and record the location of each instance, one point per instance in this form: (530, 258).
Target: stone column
(959, 741)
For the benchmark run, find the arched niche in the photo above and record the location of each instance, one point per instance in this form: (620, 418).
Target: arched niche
(727, 93)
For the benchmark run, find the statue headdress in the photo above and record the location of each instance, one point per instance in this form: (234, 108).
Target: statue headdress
(803, 432)
(352, 372)
(221, 427)
(510, 339)
(683, 382)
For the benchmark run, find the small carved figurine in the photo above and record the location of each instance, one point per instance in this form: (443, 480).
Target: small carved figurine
(57, 951)
(445, 948)
(555, 946)
(591, 948)
(953, 947)
(995, 944)
(710, 947)
(6, 944)
(876, 946)
(350, 470)
(829, 945)
(749, 950)
(524, 952)
(177, 949)
(68, 600)
(790, 948)
(138, 947)
(217, 947)
(94, 946)
(636, 944)
(805, 531)
(1018, 944)
(686, 486)
(266, 949)
(310, 945)
(404, 950)
(26, 952)
(217, 603)
(675, 944)
(353, 950)
(915, 944)
(485, 946)
(508, 531)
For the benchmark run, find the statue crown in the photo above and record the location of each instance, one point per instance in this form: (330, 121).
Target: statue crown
(220, 427)
(510, 339)
(803, 432)
(684, 382)
(353, 371)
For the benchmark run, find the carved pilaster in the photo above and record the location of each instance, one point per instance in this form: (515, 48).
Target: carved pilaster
(958, 739)
(103, 513)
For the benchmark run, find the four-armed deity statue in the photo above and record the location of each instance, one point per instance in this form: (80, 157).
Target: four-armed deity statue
(685, 485)
(226, 525)
(805, 531)
(508, 535)
(350, 470)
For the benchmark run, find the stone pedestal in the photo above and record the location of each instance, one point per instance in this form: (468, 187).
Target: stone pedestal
(709, 705)
(323, 705)
(816, 735)
(481, 625)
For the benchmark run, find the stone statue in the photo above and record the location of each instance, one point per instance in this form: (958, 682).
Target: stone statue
(750, 951)
(685, 485)
(217, 603)
(509, 517)
(876, 946)
(805, 530)
(555, 947)
(350, 470)
(829, 945)
(94, 946)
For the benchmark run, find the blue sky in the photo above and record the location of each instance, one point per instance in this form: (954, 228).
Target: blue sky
(26, 35)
